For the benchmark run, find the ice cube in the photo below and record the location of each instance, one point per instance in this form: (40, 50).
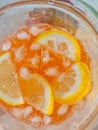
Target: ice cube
(6, 46)
(35, 60)
(17, 112)
(35, 30)
(21, 112)
(20, 53)
(24, 72)
(36, 121)
(27, 111)
(52, 71)
(47, 119)
(23, 35)
(35, 46)
(62, 109)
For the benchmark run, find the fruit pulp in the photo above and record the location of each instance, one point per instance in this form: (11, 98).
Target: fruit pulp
(49, 61)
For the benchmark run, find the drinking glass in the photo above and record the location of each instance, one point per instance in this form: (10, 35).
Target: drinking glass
(81, 20)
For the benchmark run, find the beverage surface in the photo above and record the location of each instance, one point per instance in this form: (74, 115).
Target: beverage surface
(44, 73)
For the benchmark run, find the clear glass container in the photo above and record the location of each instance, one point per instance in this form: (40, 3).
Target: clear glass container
(81, 20)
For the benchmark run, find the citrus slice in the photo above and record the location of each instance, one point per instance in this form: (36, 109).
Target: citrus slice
(61, 42)
(37, 92)
(73, 85)
(9, 88)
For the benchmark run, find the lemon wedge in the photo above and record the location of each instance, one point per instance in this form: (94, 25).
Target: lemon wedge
(60, 41)
(37, 92)
(9, 88)
(72, 85)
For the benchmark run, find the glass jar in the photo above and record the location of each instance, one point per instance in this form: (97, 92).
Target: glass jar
(81, 20)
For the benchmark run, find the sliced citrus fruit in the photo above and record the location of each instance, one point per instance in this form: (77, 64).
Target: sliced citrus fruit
(61, 42)
(9, 88)
(73, 85)
(37, 92)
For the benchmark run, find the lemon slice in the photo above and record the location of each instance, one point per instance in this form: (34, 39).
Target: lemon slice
(73, 85)
(9, 89)
(60, 41)
(37, 92)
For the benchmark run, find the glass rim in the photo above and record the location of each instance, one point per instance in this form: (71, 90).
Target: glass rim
(60, 3)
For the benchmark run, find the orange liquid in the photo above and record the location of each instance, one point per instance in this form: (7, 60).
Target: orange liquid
(55, 61)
